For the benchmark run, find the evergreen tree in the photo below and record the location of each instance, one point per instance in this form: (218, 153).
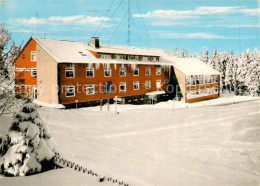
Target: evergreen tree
(205, 55)
(28, 147)
(252, 80)
(242, 72)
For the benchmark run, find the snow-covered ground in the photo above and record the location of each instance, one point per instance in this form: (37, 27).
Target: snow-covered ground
(156, 145)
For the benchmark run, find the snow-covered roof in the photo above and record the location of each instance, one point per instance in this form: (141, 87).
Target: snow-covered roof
(64, 51)
(192, 66)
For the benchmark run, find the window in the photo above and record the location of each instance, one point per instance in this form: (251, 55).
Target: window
(121, 57)
(34, 72)
(107, 72)
(133, 58)
(147, 71)
(90, 72)
(201, 79)
(146, 58)
(158, 70)
(90, 89)
(147, 84)
(22, 69)
(216, 90)
(136, 72)
(206, 79)
(70, 91)
(122, 86)
(188, 80)
(192, 80)
(197, 80)
(197, 92)
(104, 56)
(155, 58)
(33, 56)
(108, 87)
(158, 84)
(69, 72)
(136, 85)
(122, 71)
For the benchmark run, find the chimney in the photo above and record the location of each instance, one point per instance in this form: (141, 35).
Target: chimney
(95, 42)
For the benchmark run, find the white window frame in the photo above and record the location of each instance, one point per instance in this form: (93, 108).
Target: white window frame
(22, 69)
(89, 70)
(136, 83)
(148, 69)
(107, 70)
(33, 70)
(160, 84)
(137, 71)
(70, 69)
(148, 82)
(92, 87)
(120, 84)
(120, 69)
(68, 87)
(160, 71)
(33, 56)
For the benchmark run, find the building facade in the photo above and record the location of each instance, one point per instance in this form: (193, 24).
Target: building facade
(66, 72)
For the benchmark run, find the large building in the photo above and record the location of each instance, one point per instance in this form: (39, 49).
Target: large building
(68, 73)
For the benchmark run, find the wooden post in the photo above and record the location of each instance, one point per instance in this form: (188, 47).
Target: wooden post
(101, 105)
(107, 104)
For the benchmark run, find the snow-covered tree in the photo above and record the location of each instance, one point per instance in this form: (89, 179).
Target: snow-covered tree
(242, 72)
(176, 52)
(252, 80)
(7, 56)
(28, 147)
(205, 55)
(230, 73)
(184, 53)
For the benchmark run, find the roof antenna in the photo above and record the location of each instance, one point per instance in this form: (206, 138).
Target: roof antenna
(129, 25)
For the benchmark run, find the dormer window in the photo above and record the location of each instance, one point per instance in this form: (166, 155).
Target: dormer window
(104, 56)
(122, 57)
(133, 58)
(155, 58)
(145, 58)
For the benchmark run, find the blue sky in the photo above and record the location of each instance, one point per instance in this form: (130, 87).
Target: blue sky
(226, 25)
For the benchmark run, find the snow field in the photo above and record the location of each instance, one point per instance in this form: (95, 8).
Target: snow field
(151, 146)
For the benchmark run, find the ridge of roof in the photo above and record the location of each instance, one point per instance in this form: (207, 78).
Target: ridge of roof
(66, 51)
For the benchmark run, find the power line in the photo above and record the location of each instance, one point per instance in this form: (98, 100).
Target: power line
(111, 16)
(129, 24)
(117, 27)
(104, 17)
(147, 35)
